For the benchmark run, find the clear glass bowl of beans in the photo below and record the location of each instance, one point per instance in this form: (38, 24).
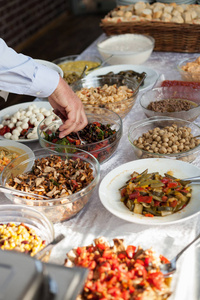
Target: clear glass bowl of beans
(101, 136)
(24, 229)
(56, 184)
(166, 137)
(180, 102)
(116, 93)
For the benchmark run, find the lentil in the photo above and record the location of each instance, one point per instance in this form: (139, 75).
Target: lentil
(171, 105)
(20, 238)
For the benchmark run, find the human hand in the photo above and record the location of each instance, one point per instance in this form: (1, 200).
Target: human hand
(69, 108)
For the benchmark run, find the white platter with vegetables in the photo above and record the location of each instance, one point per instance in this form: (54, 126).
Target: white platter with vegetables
(110, 194)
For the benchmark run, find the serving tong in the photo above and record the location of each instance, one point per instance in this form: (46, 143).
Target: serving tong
(170, 268)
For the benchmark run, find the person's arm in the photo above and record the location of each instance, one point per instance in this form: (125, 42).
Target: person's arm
(20, 74)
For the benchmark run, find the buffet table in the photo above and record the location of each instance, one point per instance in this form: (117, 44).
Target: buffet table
(95, 221)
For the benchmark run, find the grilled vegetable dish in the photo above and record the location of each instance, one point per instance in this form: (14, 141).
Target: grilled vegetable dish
(119, 272)
(152, 194)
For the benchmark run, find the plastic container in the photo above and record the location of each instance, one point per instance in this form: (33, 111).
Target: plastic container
(57, 209)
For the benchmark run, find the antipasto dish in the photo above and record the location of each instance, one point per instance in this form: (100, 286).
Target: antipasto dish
(120, 271)
(152, 194)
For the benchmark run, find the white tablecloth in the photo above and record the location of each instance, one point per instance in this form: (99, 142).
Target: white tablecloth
(94, 220)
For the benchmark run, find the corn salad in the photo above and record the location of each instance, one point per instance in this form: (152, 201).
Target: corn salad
(20, 238)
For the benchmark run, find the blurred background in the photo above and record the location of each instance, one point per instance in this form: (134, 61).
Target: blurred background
(46, 29)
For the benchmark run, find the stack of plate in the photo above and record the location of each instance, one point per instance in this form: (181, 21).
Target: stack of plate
(179, 2)
(128, 2)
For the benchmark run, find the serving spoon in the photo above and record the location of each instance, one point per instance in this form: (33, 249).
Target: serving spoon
(170, 268)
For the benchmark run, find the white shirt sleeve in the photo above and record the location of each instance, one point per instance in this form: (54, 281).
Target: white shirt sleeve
(20, 74)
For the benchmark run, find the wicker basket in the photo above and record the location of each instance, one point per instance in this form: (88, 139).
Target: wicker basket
(169, 37)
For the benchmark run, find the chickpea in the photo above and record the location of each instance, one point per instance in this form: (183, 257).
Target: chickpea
(174, 148)
(162, 150)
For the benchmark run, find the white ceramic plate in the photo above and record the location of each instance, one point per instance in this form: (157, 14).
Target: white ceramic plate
(110, 196)
(13, 109)
(150, 80)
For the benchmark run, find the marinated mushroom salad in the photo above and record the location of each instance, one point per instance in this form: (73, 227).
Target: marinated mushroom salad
(120, 271)
(21, 238)
(53, 177)
(152, 194)
(23, 124)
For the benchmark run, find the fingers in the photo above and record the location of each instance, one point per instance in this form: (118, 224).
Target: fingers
(76, 121)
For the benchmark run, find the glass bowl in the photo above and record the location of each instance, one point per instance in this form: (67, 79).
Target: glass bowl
(73, 66)
(57, 209)
(140, 128)
(126, 48)
(119, 105)
(102, 150)
(190, 69)
(174, 92)
(30, 217)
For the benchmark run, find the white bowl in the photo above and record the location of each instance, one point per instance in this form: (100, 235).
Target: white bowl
(50, 65)
(126, 48)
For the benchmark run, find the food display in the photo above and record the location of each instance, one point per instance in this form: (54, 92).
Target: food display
(100, 137)
(95, 136)
(158, 12)
(23, 124)
(189, 69)
(167, 140)
(20, 238)
(140, 77)
(120, 271)
(171, 105)
(58, 185)
(53, 177)
(152, 194)
(6, 156)
(73, 69)
(126, 48)
(169, 83)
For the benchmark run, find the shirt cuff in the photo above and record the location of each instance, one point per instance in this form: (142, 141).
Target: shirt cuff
(45, 81)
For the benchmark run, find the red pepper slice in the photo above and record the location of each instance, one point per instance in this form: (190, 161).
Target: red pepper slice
(134, 195)
(145, 199)
(97, 124)
(172, 184)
